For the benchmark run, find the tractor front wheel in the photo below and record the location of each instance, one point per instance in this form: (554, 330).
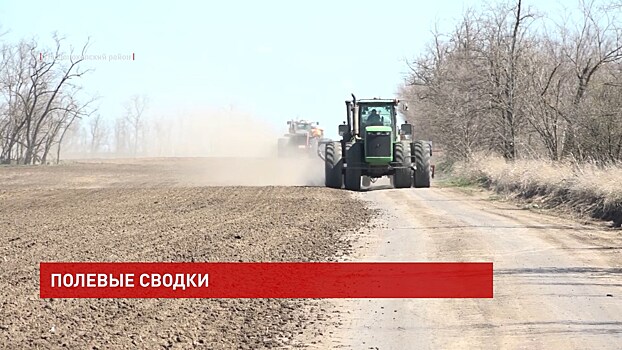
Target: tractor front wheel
(354, 154)
(333, 163)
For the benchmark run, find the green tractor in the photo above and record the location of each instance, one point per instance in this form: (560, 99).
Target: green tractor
(372, 146)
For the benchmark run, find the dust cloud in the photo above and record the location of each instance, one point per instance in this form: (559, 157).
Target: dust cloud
(238, 150)
(211, 133)
(220, 148)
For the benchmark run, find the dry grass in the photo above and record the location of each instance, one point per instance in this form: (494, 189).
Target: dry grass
(586, 189)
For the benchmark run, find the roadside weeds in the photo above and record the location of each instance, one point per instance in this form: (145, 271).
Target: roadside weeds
(586, 190)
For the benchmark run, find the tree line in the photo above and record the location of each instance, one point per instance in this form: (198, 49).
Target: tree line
(43, 109)
(39, 100)
(510, 80)
(123, 136)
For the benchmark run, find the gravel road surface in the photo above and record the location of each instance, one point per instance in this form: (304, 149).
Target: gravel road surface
(557, 282)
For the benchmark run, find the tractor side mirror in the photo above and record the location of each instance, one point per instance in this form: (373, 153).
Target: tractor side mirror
(289, 122)
(343, 128)
(406, 129)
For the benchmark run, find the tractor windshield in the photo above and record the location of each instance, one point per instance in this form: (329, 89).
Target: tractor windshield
(303, 126)
(375, 116)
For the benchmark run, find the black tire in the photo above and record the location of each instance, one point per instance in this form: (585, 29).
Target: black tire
(333, 163)
(354, 154)
(421, 154)
(403, 175)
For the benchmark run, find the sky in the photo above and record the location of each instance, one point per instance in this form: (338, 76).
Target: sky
(276, 60)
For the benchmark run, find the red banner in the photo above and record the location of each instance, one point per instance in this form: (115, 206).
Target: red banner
(266, 280)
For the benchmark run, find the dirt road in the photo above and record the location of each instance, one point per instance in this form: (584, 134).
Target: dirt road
(557, 283)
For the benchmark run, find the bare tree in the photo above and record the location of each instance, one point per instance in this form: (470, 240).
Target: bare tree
(593, 44)
(98, 133)
(71, 114)
(467, 81)
(134, 117)
(121, 136)
(39, 100)
(501, 82)
(508, 46)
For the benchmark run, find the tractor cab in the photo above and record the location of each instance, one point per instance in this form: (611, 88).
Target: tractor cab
(376, 120)
(377, 113)
(300, 126)
(372, 116)
(303, 125)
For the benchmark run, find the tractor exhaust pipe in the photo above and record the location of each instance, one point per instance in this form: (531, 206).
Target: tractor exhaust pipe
(349, 114)
(355, 116)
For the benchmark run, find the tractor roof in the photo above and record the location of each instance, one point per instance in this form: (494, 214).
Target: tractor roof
(377, 100)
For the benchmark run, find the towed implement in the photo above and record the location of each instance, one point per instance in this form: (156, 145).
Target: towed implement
(372, 146)
(303, 137)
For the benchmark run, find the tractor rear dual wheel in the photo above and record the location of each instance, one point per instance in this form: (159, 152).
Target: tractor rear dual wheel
(403, 175)
(421, 153)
